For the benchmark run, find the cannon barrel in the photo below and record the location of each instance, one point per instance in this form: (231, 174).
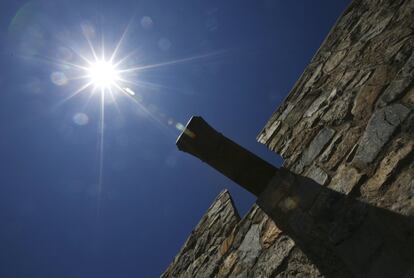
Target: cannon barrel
(235, 162)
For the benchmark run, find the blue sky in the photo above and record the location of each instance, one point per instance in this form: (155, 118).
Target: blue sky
(57, 218)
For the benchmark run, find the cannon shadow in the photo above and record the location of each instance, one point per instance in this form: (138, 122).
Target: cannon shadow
(341, 235)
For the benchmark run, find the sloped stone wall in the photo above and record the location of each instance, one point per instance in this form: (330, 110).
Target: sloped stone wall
(201, 253)
(348, 124)
(223, 246)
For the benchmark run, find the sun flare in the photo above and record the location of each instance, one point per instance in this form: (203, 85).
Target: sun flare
(103, 74)
(111, 75)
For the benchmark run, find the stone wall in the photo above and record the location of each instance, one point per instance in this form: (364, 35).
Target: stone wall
(223, 246)
(202, 250)
(348, 124)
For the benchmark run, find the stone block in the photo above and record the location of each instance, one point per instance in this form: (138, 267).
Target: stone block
(328, 152)
(388, 164)
(342, 147)
(399, 197)
(316, 146)
(269, 234)
(364, 101)
(317, 174)
(227, 265)
(268, 132)
(395, 90)
(334, 60)
(379, 130)
(345, 179)
(340, 109)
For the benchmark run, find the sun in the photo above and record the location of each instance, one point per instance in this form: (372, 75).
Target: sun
(109, 76)
(103, 74)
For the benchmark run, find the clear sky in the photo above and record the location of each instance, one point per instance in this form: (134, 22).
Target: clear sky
(58, 217)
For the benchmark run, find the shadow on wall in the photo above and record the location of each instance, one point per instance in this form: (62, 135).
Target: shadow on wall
(341, 235)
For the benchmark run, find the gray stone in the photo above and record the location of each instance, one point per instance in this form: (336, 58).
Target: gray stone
(334, 60)
(239, 262)
(319, 104)
(315, 147)
(317, 174)
(399, 86)
(364, 77)
(268, 132)
(250, 247)
(286, 112)
(315, 105)
(340, 108)
(395, 90)
(331, 148)
(380, 128)
(377, 28)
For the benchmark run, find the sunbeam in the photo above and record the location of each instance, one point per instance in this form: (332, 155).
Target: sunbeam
(101, 134)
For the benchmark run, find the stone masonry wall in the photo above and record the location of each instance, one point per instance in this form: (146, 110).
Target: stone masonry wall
(223, 246)
(201, 252)
(348, 124)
